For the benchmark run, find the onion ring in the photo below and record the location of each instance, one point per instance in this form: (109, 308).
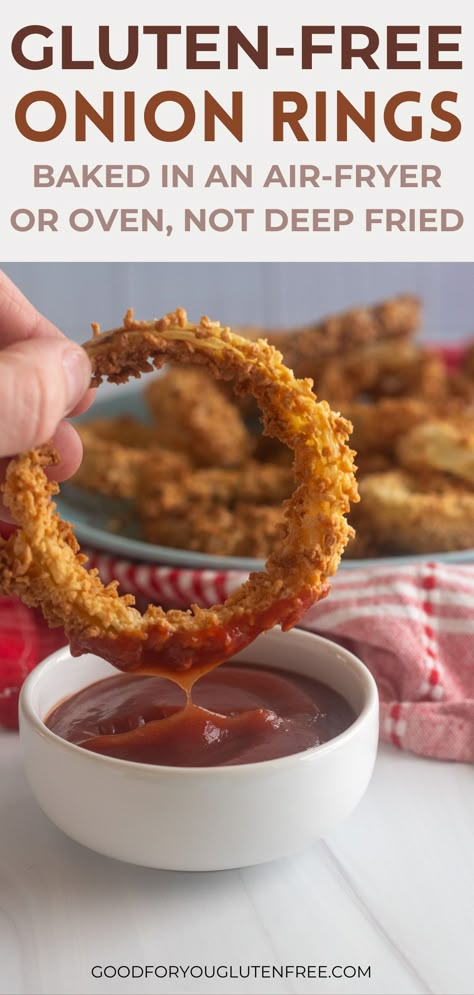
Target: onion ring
(403, 513)
(193, 417)
(442, 445)
(114, 468)
(42, 562)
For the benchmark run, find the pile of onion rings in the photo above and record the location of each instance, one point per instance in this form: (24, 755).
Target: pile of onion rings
(41, 562)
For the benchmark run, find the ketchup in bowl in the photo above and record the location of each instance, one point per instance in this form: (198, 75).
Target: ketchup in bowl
(239, 714)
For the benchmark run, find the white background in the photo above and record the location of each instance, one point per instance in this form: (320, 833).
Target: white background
(16, 166)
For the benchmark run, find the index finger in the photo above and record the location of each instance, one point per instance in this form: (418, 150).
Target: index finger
(19, 320)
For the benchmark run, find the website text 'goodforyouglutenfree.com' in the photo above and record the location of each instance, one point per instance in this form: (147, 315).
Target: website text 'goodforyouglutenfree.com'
(232, 971)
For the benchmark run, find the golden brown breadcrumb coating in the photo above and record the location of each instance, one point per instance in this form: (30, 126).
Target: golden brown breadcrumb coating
(193, 416)
(228, 512)
(405, 513)
(124, 429)
(303, 349)
(245, 530)
(260, 483)
(382, 369)
(441, 444)
(459, 388)
(467, 362)
(377, 426)
(114, 468)
(41, 563)
(367, 366)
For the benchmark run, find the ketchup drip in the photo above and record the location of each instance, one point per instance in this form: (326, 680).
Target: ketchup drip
(183, 656)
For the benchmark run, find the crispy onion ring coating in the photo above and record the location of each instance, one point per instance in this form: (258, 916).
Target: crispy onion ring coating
(42, 562)
(194, 417)
(403, 513)
(114, 468)
(440, 445)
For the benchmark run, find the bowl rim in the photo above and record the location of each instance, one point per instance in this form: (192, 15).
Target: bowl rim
(29, 713)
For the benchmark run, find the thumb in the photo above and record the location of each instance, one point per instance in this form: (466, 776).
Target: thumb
(41, 381)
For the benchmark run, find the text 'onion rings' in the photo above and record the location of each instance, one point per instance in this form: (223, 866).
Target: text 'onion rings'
(42, 563)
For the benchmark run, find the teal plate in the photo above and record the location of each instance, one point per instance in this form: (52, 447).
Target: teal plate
(90, 513)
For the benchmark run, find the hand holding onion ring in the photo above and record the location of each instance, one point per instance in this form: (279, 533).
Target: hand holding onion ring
(42, 562)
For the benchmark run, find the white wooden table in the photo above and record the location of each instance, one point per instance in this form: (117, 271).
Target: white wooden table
(392, 888)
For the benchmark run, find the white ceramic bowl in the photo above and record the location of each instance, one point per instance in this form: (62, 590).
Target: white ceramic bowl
(200, 819)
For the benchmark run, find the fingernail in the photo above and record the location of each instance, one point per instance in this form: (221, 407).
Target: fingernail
(77, 372)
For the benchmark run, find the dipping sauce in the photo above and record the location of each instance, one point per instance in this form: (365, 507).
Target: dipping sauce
(239, 714)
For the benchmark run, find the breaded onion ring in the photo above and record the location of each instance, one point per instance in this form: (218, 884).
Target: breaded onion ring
(246, 530)
(257, 483)
(377, 426)
(114, 468)
(382, 370)
(467, 362)
(402, 513)
(224, 512)
(443, 445)
(194, 417)
(394, 320)
(42, 563)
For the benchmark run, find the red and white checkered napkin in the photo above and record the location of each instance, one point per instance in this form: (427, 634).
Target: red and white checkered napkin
(25, 640)
(413, 626)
